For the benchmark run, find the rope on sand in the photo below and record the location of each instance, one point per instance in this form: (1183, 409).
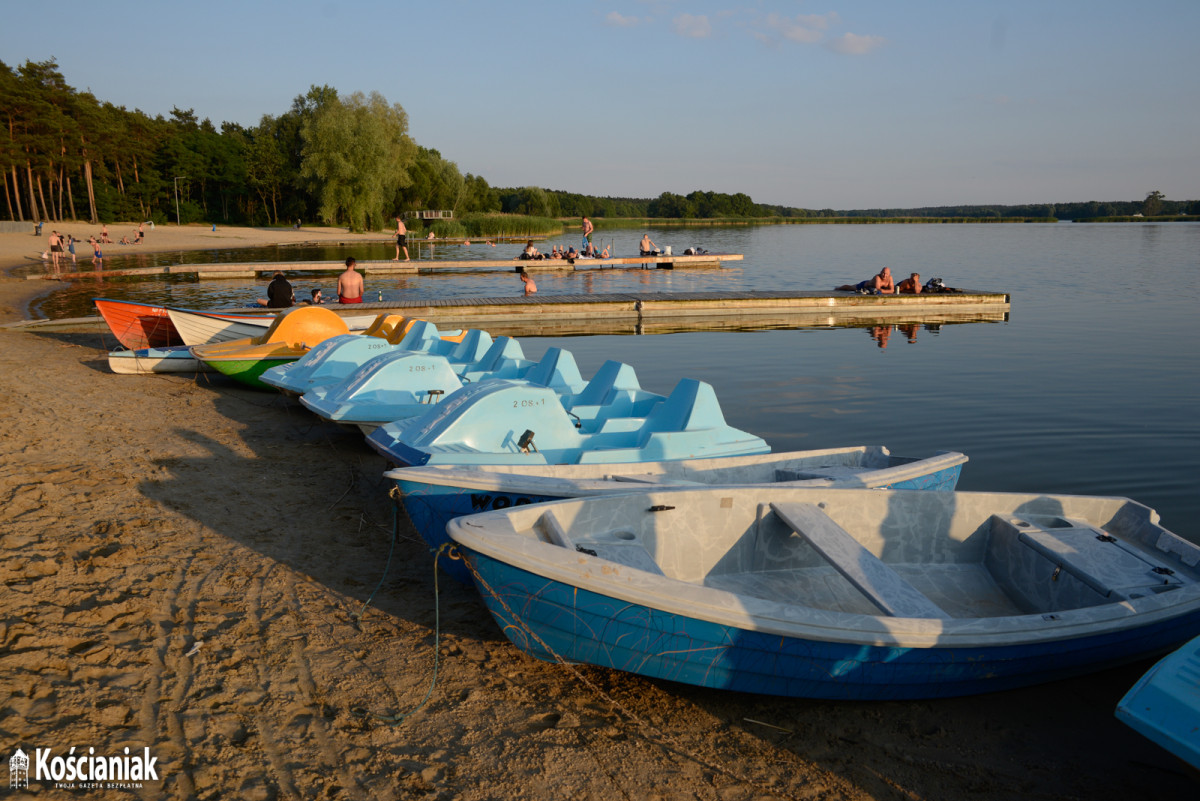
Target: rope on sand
(660, 738)
(395, 720)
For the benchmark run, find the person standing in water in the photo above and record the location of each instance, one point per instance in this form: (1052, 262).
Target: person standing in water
(350, 284)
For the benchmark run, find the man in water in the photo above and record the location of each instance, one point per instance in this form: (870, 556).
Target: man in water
(350, 284)
(279, 293)
(530, 287)
(402, 239)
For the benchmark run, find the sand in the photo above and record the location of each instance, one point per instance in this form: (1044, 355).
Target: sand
(186, 564)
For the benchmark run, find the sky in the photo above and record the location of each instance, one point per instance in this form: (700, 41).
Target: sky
(813, 104)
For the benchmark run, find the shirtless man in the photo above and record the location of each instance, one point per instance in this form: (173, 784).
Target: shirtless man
(647, 246)
(881, 284)
(402, 239)
(55, 243)
(587, 231)
(530, 287)
(350, 284)
(104, 235)
(910, 285)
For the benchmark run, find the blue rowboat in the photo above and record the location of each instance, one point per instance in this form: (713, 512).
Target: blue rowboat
(1164, 705)
(433, 495)
(845, 594)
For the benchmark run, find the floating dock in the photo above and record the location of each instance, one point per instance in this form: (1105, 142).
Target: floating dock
(673, 312)
(388, 267)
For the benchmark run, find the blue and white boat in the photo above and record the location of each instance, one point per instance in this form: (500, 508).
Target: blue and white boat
(401, 385)
(333, 360)
(433, 495)
(1164, 705)
(169, 359)
(837, 593)
(516, 422)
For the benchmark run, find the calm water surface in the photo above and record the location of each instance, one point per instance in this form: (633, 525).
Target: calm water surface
(1091, 386)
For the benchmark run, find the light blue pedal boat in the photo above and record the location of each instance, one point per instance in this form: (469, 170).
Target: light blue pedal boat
(515, 422)
(398, 386)
(837, 593)
(433, 495)
(333, 360)
(1164, 705)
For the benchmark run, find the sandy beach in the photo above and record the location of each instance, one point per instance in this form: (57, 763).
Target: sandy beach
(214, 574)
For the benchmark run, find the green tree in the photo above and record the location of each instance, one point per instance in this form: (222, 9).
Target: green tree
(358, 153)
(1152, 205)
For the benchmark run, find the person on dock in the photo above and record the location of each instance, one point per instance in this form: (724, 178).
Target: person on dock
(401, 239)
(910, 285)
(881, 284)
(350, 283)
(530, 286)
(647, 247)
(587, 232)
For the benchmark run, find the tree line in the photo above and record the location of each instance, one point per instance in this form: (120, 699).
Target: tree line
(339, 160)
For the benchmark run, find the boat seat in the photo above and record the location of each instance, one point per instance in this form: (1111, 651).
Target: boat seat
(554, 533)
(1104, 563)
(882, 585)
(656, 478)
(829, 471)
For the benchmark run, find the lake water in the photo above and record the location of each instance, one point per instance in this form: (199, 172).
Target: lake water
(1091, 386)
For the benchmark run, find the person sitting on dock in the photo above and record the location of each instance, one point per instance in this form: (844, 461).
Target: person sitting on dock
(647, 247)
(530, 287)
(279, 294)
(350, 284)
(910, 285)
(530, 252)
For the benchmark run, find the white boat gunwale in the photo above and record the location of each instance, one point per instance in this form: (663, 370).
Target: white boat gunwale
(727, 608)
(577, 480)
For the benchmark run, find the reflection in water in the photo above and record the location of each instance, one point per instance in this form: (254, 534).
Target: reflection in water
(880, 333)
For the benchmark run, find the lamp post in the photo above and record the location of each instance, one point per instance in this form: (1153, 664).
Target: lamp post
(177, 177)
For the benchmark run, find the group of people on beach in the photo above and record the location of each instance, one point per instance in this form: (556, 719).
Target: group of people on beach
(58, 245)
(350, 288)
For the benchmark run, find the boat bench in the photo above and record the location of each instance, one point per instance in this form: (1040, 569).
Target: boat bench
(1103, 563)
(630, 553)
(870, 575)
(834, 472)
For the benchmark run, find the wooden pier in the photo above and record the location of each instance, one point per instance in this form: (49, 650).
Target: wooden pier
(662, 312)
(672, 312)
(428, 266)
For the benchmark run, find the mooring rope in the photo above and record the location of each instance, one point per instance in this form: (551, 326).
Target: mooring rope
(657, 736)
(395, 720)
